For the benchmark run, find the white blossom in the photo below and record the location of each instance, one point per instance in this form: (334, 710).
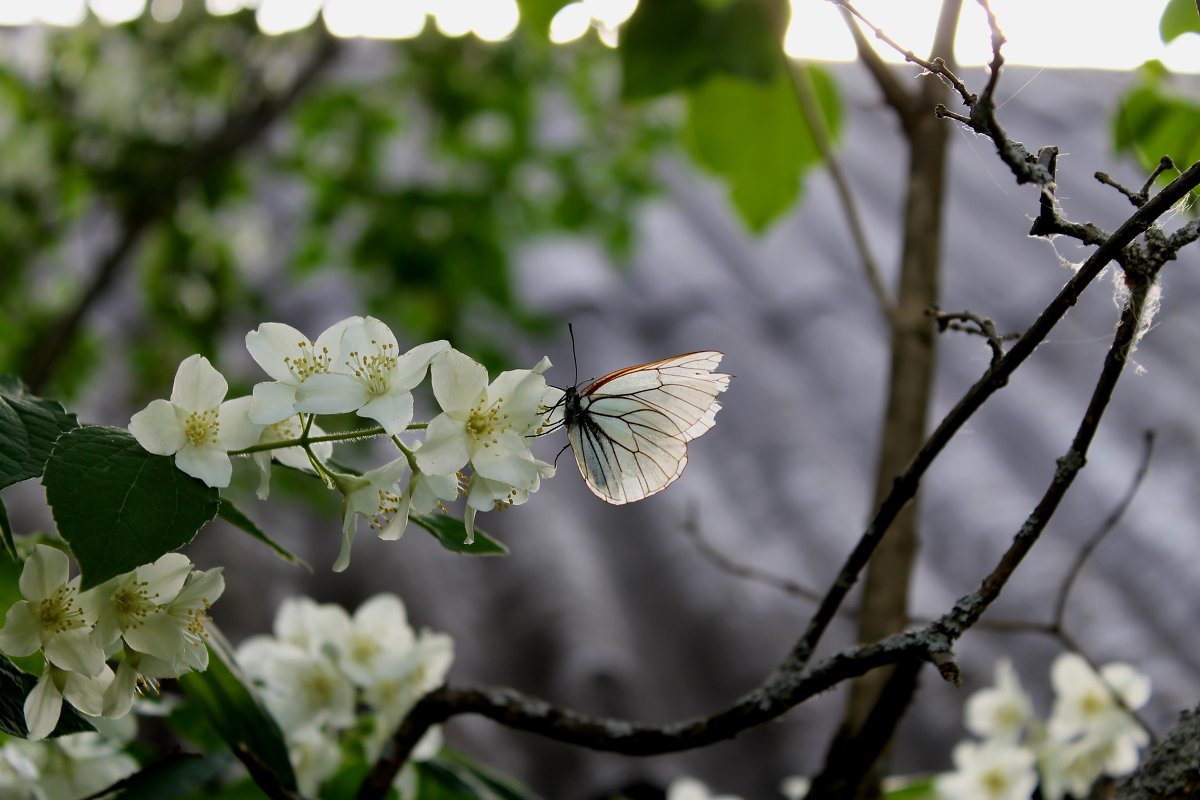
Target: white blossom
(197, 425)
(1002, 711)
(290, 359)
(1086, 710)
(994, 770)
(43, 705)
(52, 617)
(370, 377)
(376, 496)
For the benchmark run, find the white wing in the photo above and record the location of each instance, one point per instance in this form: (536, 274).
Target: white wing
(630, 440)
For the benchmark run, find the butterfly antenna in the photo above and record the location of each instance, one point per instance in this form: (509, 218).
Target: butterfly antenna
(575, 358)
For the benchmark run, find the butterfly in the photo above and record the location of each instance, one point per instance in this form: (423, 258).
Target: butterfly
(630, 429)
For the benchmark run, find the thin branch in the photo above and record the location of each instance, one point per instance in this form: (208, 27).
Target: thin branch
(806, 98)
(744, 571)
(1105, 528)
(969, 322)
(1138, 198)
(895, 94)
(242, 129)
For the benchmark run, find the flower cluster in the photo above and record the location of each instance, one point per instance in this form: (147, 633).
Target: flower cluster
(151, 619)
(356, 366)
(66, 768)
(1090, 733)
(323, 666)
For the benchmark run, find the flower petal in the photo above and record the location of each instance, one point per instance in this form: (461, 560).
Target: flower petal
(75, 650)
(411, 367)
(393, 411)
(156, 428)
(270, 343)
(446, 447)
(331, 394)
(272, 402)
(21, 634)
(166, 576)
(459, 382)
(209, 464)
(45, 572)
(198, 385)
(118, 697)
(237, 429)
(507, 460)
(43, 706)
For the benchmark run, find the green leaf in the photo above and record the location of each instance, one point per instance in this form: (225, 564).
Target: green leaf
(501, 787)
(1178, 18)
(663, 47)
(674, 44)
(231, 514)
(1152, 122)
(755, 138)
(118, 506)
(10, 546)
(15, 686)
(451, 776)
(919, 789)
(28, 427)
(225, 696)
(451, 533)
(172, 776)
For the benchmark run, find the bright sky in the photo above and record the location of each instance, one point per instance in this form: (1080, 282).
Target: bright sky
(1059, 33)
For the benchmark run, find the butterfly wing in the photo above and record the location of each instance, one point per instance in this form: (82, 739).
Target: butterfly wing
(630, 437)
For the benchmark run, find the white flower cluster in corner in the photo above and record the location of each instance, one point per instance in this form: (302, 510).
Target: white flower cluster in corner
(356, 366)
(152, 619)
(1090, 733)
(323, 666)
(66, 768)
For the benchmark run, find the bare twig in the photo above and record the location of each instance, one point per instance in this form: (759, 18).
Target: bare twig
(1105, 528)
(744, 571)
(969, 322)
(801, 80)
(1138, 198)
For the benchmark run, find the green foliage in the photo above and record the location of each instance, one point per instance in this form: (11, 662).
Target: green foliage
(233, 710)
(1178, 18)
(118, 506)
(673, 44)
(28, 428)
(755, 138)
(1152, 121)
(172, 776)
(450, 534)
(231, 514)
(451, 777)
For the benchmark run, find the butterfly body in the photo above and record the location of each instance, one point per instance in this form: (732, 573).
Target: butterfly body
(629, 430)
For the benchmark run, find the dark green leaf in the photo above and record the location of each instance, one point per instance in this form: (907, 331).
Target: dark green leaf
(754, 137)
(663, 47)
(172, 776)
(231, 514)
(118, 506)
(28, 427)
(500, 787)
(232, 708)
(742, 41)
(15, 686)
(437, 781)
(451, 533)
(1178, 18)
(920, 789)
(10, 546)
(1152, 122)
(673, 44)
